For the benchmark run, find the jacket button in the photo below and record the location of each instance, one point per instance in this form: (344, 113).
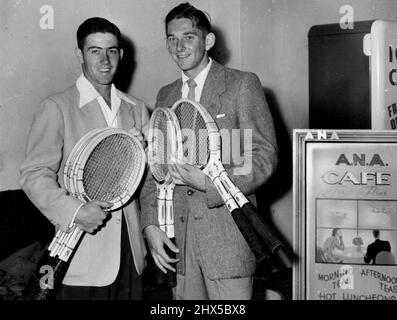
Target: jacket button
(182, 219)
(190, 192)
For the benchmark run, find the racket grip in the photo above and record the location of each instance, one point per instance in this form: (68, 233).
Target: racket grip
(250, 236)
(261, 228)
(166, 279)
(45, 279)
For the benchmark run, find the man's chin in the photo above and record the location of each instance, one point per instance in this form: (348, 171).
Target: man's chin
(183, 65)
(106, 80)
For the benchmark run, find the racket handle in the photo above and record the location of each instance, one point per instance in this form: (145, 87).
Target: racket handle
(166, 279)
(55, 239)
(45, 279)
(161, 213)
(250, 236)
(50, 270)
(262, 229)
(71, 243)
(58, 243)
(242, 222)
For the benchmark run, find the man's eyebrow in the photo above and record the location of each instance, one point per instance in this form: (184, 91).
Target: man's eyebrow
(96, 47)
(184, 33)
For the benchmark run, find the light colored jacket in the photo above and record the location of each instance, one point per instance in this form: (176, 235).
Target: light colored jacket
(58, 124)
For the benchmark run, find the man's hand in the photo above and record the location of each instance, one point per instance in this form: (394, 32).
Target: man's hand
(186, 174)
(156, 240)
(137, 134)
(91, 215)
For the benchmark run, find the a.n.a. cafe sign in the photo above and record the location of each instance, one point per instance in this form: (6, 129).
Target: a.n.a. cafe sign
(345, 187)
(333, 177)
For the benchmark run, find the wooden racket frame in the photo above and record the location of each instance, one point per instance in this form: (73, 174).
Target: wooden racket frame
(165, 187)
(64, 242)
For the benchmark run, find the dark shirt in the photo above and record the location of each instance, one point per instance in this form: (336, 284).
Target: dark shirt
(374, 248)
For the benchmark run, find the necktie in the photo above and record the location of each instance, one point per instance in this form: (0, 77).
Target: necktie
(192, 85)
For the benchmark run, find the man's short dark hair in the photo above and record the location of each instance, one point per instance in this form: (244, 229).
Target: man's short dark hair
(186, 10)
(376, 233)
(94, 25)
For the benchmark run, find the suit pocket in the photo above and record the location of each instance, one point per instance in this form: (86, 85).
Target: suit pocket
(223, 251)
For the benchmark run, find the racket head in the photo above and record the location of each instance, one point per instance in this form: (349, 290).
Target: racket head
(164, 142)
(200, 134)
(109, 167)
(67, 169)
(70, 171)
(74, 168)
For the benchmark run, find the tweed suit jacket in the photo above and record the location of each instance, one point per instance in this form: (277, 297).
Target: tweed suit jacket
(57, 126)
(235, 100)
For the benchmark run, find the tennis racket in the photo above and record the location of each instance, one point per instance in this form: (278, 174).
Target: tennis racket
(164, 142)
(105, 165)
(60, 235)
(204, 151)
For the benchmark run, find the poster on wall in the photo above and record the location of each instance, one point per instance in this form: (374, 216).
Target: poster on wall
(345, 215)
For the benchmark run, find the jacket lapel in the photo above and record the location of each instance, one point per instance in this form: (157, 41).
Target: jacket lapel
(94, 118)
(125, 116)
(214, 86)
(175, 93)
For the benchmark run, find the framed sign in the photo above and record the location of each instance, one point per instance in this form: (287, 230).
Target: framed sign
(345, 215)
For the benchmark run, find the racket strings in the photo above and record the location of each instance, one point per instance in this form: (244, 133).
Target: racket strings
(195, 134)
(162, 144)
(97, 173)
(108, 170)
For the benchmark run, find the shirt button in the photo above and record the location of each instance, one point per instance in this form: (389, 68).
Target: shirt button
(190, 192)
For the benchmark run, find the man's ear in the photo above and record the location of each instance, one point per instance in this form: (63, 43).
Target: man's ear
(209, 41)
(79, 54)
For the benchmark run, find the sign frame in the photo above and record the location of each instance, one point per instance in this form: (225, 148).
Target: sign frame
(304, 139)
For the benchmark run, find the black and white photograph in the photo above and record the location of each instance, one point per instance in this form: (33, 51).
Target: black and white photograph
(208, 150)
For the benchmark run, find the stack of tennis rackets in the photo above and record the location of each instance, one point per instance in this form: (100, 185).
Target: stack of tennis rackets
(201, 147)
(106, 165)
(164, 143)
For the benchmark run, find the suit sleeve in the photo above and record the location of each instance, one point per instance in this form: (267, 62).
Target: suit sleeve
(39, 179)
(259, 150)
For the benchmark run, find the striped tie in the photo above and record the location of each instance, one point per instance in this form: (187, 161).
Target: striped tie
(192, 85)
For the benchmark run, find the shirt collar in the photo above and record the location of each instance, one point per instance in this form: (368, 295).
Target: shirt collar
(89, 93)
(200, 78)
